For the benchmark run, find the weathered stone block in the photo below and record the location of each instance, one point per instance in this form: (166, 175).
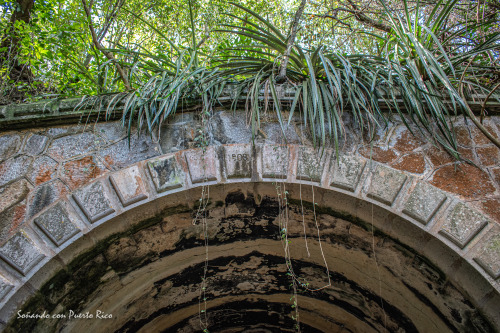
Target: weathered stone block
(72, 145)
(43, 169)
(93, 201)
(13, 194)
(82, 171)
(489, 255)
(238, 161)
(56, 224)
(386, 184)
(346, 171)
(121, 154)
(14, 168)
(202, 166)
(20, 253)
(311, 163)
(44, 195)
(4, 288)
(275, 161)
(230, 128)
(129, 186)
(462, 224)
(166, 174)
(9, 145)
(424, 202)
(35, 144)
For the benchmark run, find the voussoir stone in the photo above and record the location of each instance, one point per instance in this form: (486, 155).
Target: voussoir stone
(202, 165)
(238, 161)
(4, 288)
(462, 224)
(386, 184)
(128, 185)
(489, 255)
(93, 201)
(21, 253)
(310, 164)
(424, 201)
(56, 224)
(346, 171)
(166, 173)
(275, 161)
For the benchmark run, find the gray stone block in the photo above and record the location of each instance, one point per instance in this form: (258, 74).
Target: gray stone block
(56, 224)
(9, 145)
(347, 171)
(424, 202)
(72, 145)
(35, 144)
(386, 184)
(462, 224)
(166, 174)
(121, 154)
(201, 165)
(489, 255)
(275, 161)
(310, 164)
(128, 186)
(238, 161)
(93, 201)
(14, 168)
(20, 253)
(4, 288)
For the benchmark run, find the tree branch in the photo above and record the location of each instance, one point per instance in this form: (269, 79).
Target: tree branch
(98, 46)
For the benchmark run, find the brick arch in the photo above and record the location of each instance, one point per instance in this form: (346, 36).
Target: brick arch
(461, 241)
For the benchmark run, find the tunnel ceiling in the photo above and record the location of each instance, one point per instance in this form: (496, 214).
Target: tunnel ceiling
(149, 277)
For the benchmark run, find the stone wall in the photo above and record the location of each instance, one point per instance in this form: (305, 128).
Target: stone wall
(88, 173)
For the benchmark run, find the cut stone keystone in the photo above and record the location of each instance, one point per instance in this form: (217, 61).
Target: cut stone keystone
(128, 186)
(424, 202)
(310, 164)
(93, 201)
(275, 161)
(201, 166)
(4, 288)
(386, 184)
(56, 224)
(238, 161)
(20, 253)
(347, 171)
(489, 255)
(462, 224)
(166, 174)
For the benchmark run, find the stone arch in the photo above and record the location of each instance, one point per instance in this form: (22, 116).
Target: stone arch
(448, 235)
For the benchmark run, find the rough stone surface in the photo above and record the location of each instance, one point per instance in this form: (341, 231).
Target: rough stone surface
(489, 255)
(129, 186)
(93, 201)
(82, 171)
(4, 288)
(380, 154)
(71, 146)
(403, 141)
(11, 219)
(35, 144)
(274, 134)
(13, 194)
(43, 169)
(8, 145)
(120, 155)
(229, 129)
(112, 131)
(414, 163)
(423, 202)
(166, 174)
(56, 132)
(310, 164)
(491, 206)
(275, 161)
(462, 224)
(44, 195)
(346, 171)
(386, 184)
(14, 168)
(463, 179)
(20, 252)
(56, 224)
(177, 137)
(478, 136)
(489, 156)
(201, 165)
(238, 161)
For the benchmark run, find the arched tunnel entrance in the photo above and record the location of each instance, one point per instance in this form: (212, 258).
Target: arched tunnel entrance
(147, 273)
